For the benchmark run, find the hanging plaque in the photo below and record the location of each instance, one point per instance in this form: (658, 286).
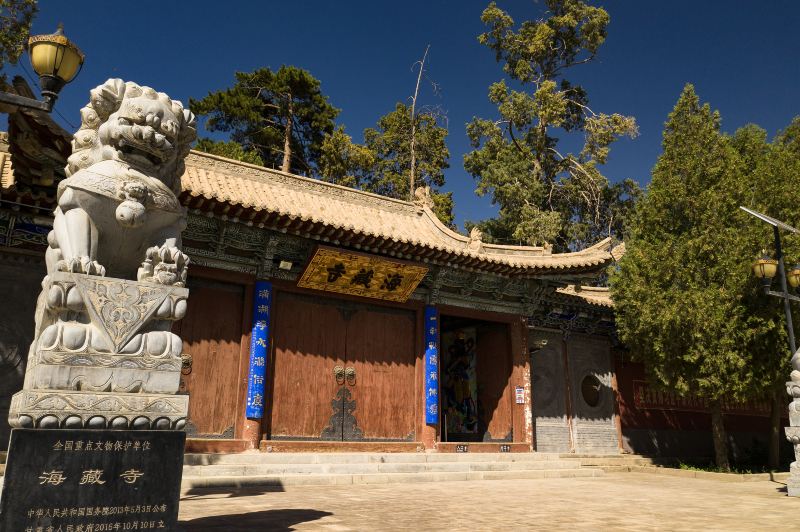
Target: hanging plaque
(359, 274)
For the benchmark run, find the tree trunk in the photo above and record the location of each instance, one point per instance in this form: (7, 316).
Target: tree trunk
(777, 406)
(287, 136)
(719, 436)
(413, 172)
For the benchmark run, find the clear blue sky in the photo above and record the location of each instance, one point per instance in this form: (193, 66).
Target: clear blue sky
(742, 56)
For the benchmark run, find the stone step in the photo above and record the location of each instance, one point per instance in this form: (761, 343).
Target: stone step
(225, 470)
(362, 458)
(197, 482)
(614, 461)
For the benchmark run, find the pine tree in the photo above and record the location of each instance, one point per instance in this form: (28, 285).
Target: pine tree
(15, 25)
(383, 163)
(281, 115)
(544, 193)
(229, 149)
(681, 290)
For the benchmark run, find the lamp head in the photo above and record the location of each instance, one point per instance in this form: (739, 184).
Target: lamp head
(794, 276)
(765, 268)
(56, 60)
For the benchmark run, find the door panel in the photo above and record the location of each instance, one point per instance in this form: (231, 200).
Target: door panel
(380, 348)
(550, 407)
(309, 343)
(494, 372)
(594, 425)
(212, 335)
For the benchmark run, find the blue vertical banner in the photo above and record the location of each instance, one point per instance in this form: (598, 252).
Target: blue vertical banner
(259, 349)
(431, 365)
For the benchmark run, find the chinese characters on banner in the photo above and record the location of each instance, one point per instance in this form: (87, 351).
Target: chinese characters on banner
(359, 274)
(259, 349)
(431, 366)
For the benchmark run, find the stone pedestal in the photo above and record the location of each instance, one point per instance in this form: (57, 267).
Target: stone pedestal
(793, 435)
(104, 356)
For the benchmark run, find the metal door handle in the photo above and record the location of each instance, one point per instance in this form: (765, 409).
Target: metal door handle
(338, 373)
(350, 374)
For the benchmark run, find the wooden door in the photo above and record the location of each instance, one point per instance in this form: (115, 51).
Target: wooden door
(373, 396)
(309, 343)
(212, 335)
(380, 349)
(494, 388)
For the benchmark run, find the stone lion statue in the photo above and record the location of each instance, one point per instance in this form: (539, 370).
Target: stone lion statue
(119, 205)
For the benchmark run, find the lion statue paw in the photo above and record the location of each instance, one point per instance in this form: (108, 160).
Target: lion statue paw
(166, 265)
(81, 265)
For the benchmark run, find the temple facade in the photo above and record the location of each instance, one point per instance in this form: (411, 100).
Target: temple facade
(323, 316)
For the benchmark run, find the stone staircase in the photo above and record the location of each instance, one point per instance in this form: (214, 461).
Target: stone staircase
(277, 469)
(615, 462)
(283, 469)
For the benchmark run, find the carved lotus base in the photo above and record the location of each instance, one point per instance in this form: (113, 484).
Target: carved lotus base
(50, 409)
(104, 356)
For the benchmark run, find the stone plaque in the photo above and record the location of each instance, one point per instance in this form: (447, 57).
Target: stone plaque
(94, 480)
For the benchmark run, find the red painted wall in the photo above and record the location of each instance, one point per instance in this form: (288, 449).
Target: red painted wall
(674, 415)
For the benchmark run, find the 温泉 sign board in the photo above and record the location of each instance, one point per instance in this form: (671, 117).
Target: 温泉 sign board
(92, 480)
(358, 274)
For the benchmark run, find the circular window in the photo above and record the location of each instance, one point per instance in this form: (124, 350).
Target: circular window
(590, 390)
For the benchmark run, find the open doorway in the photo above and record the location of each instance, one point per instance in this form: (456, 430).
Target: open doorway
(475, 380)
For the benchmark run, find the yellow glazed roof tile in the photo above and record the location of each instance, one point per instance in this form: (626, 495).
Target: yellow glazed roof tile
(264, 189)
(596, 295)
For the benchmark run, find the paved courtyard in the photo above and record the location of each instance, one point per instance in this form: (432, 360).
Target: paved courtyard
(619, 501)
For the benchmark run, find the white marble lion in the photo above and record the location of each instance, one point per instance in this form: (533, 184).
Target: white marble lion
(118, 212)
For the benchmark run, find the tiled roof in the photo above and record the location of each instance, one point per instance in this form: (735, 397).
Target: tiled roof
(595, 295)
(262, 190)
(264, 197)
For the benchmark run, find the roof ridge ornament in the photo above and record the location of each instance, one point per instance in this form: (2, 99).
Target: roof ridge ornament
(475, 240)
(423, 198)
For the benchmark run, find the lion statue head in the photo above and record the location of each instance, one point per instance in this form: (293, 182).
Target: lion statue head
(136, 126)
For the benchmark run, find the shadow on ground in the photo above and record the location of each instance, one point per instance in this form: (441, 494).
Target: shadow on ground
(194, 494)
(272, 520)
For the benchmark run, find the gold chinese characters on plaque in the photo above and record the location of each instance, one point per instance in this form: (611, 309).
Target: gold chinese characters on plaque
(334, 270)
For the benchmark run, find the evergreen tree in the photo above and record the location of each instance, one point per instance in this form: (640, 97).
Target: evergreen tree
(383, 163)
(15, 26)
(344, 162)
(546, 195)
(229, 149)
(770, 169)
(391, 143)
(282, 116)
(684, 294)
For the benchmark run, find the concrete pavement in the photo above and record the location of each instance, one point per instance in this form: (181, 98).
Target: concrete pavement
(615, 501)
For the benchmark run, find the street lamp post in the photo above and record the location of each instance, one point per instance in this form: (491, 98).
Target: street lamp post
(765, 269)
(57, 61)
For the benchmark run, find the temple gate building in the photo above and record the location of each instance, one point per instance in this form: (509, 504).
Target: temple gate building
(323, 316)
